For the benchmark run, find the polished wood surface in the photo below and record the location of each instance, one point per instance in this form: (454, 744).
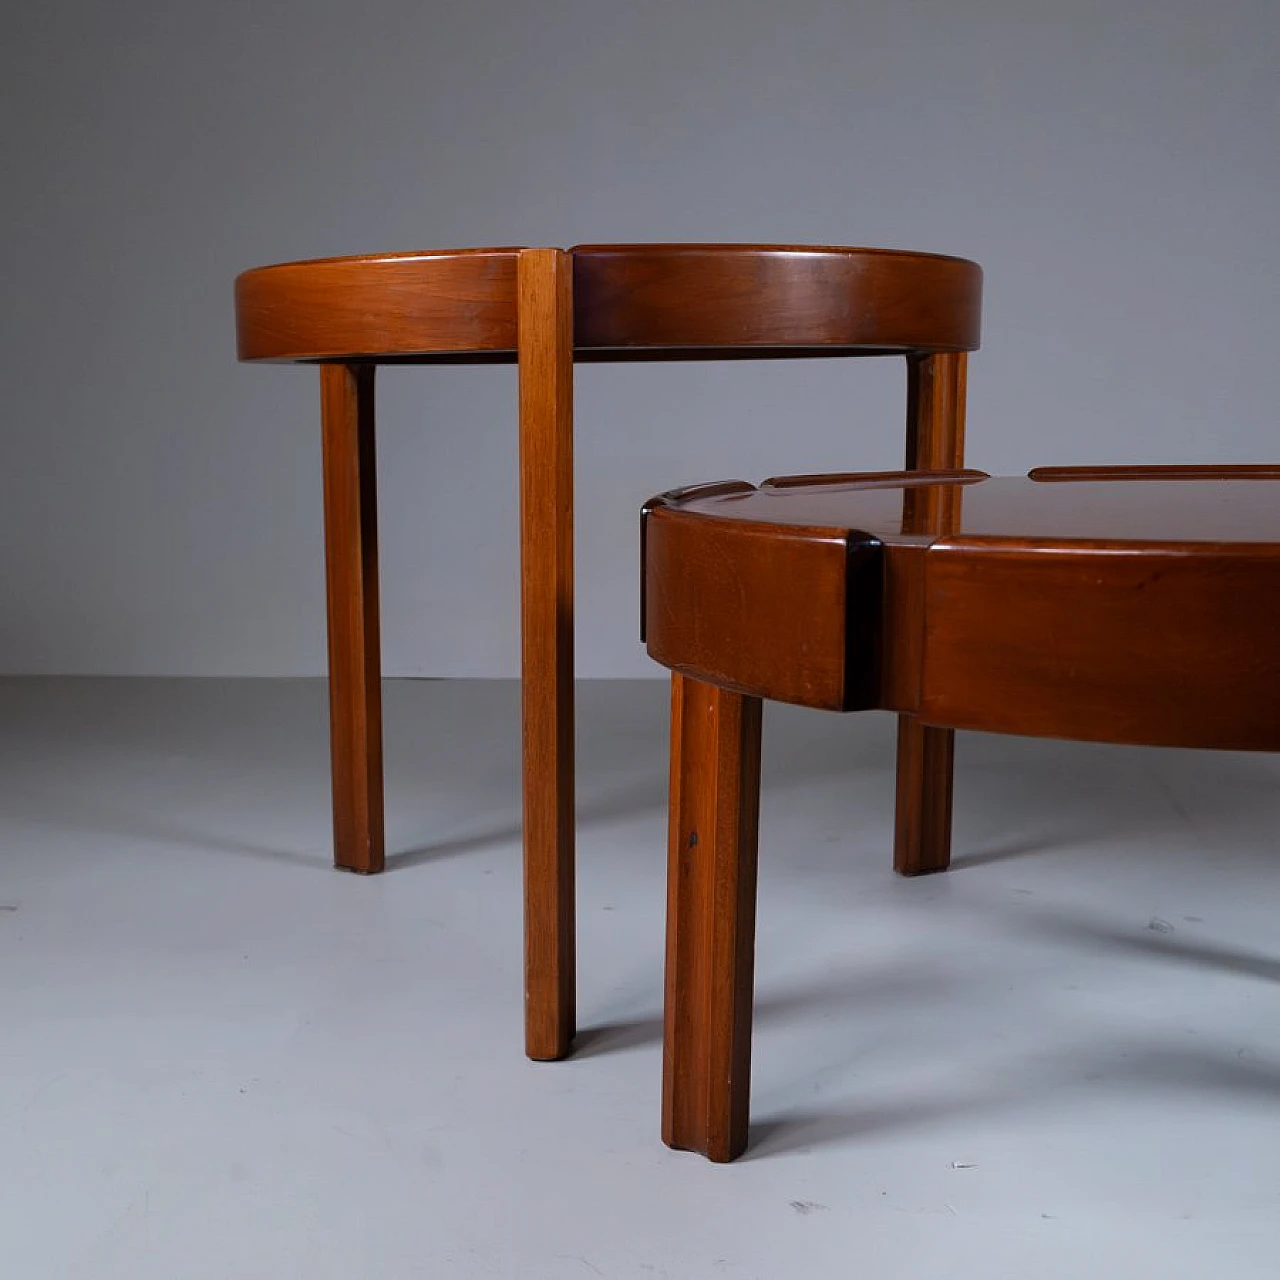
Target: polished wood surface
(717, 299)
(351, 581)
(733, 636)
(1139, 605)
(923, 785)
(936, 388)
(1027, 578)
(711, 903)
(449, 302)
(1224, 507)
(545, 308)
(631, 302)
(546, 602)
(733, 576)
(1169, 645)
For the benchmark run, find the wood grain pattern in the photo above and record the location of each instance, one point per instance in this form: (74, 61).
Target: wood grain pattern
(1131, 612)
(936, 390)
(711, 904)
(1106, 642)
(546, 308)
(923, 798)
(351, 579)
(718, 299)
(380, 307)
(722, 599)
(1142, 607)
(908, 485)
(663, 301)
(546, 596)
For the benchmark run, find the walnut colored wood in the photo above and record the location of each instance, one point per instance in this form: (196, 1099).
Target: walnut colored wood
(910, 485)
(722, 300)
(1138, 605)
(1171, 646)
(546, 541)
(936, 386)
(451, 303)
(351, 577)
(545, 308)
(711, 904)
(936, 390)
(630, 302)
(922, 803)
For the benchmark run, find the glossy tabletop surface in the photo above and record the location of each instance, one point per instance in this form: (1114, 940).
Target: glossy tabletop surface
(1136, 605)
(1070, 505)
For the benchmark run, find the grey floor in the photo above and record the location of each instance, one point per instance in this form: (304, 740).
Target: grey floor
(222, 1059)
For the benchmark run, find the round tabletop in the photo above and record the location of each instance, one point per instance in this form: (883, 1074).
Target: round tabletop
(630, 302)
(1137, 604)
(1140, 505)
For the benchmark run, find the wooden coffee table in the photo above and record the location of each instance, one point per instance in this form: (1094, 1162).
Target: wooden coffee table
(1107, 604)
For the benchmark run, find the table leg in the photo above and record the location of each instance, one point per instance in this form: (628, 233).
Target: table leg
(936, 387)
(922, 821)
(711, 918)
(546, 559)
(351, 577)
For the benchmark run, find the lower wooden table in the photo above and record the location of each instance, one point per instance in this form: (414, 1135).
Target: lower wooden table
(1108, 604)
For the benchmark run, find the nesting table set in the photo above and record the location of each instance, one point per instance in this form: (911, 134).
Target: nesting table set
(1110, 604)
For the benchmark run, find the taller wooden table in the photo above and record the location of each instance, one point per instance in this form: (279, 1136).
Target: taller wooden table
(544, 309)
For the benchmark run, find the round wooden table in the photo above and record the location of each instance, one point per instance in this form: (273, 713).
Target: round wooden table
(1109, 604)
(545, 309)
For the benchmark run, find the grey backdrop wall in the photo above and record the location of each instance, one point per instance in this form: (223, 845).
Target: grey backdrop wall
(1114, 165)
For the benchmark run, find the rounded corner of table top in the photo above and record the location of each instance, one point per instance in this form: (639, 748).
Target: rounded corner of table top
(447, 304)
